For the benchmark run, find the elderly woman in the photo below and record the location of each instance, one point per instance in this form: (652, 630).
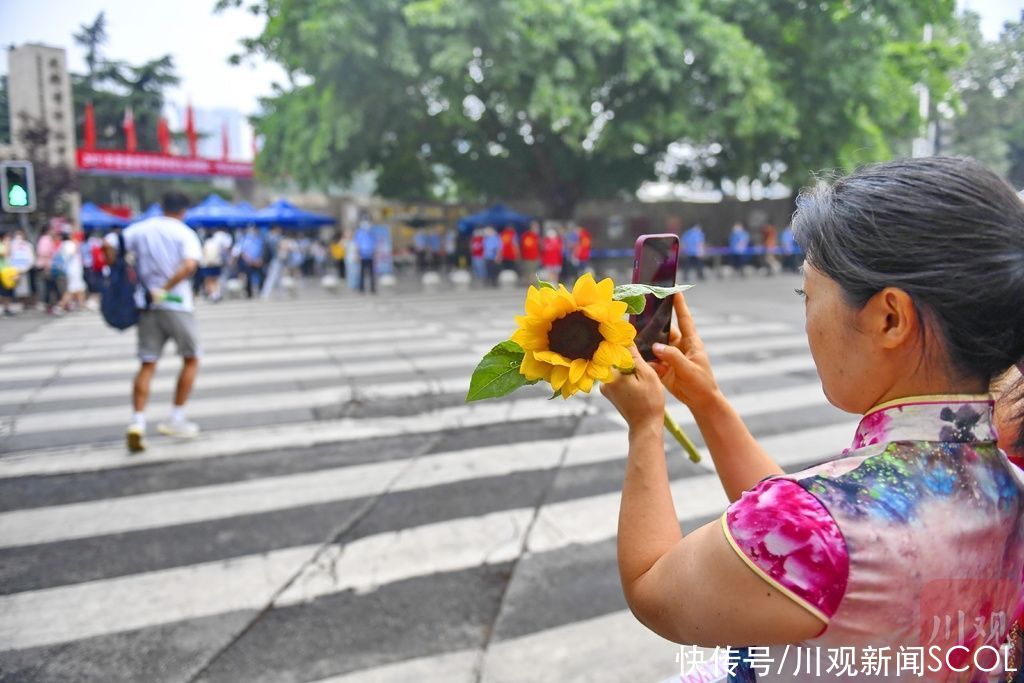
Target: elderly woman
(905, 549)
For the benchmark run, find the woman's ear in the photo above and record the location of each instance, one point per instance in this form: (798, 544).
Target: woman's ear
(891, 317)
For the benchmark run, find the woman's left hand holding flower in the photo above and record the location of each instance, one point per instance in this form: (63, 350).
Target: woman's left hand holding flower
(639, 396)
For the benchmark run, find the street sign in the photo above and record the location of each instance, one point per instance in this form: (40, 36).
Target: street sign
(17, 186)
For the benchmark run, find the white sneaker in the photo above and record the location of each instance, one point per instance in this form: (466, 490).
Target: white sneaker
(180, 429)
(135, 438)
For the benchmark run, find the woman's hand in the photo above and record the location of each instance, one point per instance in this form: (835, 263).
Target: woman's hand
(683, 364)
(638, 396)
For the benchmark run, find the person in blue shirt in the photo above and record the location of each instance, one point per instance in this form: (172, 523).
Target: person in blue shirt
(790, 252)
(433, 258)
(492, 254)
(250, 259)
(366, 246)
(693, 250)
(570, 262)
(739, 242)
(420, 248)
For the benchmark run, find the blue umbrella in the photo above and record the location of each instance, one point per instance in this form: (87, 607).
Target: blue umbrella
(214, 211)
(288, 215)
(498, 216)
(93, 217)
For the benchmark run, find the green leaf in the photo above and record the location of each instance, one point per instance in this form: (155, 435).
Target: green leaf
(498, 373)
(635, 296)
(544, 284)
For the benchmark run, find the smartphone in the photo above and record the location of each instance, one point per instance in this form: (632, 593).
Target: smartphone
(655, 262)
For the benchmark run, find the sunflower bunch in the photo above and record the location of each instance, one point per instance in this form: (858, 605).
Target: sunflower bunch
(571, 340)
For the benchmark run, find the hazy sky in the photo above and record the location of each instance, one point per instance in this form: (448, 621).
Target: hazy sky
(201, 41)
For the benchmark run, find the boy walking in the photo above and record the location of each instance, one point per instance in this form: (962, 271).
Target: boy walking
(167, 253)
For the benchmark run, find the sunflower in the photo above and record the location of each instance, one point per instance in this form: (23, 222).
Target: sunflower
(573, 339)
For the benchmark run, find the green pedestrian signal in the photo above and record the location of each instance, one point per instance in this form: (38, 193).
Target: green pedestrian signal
(17, 196)
(17, 186)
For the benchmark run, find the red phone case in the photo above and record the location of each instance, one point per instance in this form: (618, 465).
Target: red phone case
(638, 250)
(637, 256)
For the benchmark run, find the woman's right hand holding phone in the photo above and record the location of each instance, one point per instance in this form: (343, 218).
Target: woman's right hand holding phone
(683, 363)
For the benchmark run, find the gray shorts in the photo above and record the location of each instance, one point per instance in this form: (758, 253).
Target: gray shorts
(157, 326)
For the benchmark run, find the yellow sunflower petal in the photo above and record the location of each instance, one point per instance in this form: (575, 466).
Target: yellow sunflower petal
(530, 341)
(534, 301)
(577, 369)
(617, 309)
(624, 359)
(552, 357)
(586, 384)
(618, 332)
(598, 311)
(568, 390)
(559, 375)
(605, 355)
(605, 289)
(585, 291)
(598, 372)
(532, 369)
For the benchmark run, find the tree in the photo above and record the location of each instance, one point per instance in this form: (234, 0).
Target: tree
(92, 37)
(564, 100)
(112, 86)
(53, 182)
(989, 121)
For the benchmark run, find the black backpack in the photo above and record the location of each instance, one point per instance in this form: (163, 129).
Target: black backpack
(118, 302)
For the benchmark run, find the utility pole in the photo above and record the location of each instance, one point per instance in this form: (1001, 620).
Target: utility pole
(924, 144)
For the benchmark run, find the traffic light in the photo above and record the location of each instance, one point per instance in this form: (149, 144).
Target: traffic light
(17, 186)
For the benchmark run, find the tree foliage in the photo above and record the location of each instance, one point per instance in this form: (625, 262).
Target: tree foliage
(989, 123)
(563, 100)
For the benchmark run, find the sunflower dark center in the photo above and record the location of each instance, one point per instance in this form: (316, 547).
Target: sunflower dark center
(575, 336)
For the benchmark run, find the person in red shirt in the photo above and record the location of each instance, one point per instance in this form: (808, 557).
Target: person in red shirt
(476, 254)
(551, 255)
(583, 242)
(530, 252)
(510, 249)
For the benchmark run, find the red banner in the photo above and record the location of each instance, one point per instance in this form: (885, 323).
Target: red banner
(142, 163)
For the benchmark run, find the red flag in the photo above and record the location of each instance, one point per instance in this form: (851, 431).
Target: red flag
(163, 136)
(190, 131)
(225, 143)
(130, 141)
(90, 127)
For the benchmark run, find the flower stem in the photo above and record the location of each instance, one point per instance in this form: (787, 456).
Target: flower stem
(675, 430)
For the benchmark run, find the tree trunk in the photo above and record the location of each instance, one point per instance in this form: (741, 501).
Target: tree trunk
(559, 202)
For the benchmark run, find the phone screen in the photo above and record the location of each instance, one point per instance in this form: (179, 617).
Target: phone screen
(656, 261)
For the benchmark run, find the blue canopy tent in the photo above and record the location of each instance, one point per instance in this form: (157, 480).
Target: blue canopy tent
(288, 215)
(93, 217)
(498, 216)
(215, 212)
(249, 211)
(153, 210)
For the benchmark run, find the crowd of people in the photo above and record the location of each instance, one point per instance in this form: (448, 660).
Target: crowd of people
(555, 255)
(64, 270)
(767, 252)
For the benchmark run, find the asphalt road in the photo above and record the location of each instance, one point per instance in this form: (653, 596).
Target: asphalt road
(344, 516)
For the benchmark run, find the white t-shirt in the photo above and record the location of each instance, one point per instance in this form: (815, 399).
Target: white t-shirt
(160, 245)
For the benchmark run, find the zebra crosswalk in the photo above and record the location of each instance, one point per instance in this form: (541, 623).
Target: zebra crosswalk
(344, 515)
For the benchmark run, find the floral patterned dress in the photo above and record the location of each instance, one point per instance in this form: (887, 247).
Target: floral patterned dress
(909, 547)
